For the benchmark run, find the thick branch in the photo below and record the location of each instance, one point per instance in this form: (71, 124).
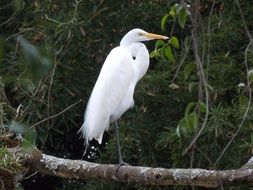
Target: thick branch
(77, 169)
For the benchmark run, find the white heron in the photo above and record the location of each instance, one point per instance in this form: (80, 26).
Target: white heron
(113, 92)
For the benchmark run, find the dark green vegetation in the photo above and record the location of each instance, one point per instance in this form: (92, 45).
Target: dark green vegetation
(9, 168)
(50, 56)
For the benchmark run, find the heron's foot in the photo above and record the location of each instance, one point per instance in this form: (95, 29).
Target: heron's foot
(122, 163)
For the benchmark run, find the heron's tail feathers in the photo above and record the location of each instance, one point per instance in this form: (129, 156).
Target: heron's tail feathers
(84, 134)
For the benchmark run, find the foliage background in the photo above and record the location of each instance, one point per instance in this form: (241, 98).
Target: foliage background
(70, 42)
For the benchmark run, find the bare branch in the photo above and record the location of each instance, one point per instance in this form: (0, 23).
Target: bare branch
(53, 116)
(202, 77)
(248, 85)
(83, 170)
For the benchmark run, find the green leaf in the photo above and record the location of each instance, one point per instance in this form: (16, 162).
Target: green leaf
(243, 101)
(159, 43)
(173, 10)
(193, 86)
(192, 120)
(181, 127)
(178, 130)
(188, 69)
(152, 54)
(168, 53)
(163, 21)
(187, 42)
(174, 42)
(172, 13)
(182, 16)
(202, 107)
(189, 108)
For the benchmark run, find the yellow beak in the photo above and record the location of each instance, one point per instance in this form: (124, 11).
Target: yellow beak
(155, 36)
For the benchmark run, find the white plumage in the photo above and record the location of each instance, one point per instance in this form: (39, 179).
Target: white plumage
(113, 92)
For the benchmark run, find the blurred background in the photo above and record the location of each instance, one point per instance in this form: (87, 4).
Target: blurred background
(51, 53)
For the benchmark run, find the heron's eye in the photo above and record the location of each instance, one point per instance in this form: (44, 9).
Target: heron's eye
(141, 34)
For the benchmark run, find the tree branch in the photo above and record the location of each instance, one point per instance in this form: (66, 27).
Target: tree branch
(83, 170)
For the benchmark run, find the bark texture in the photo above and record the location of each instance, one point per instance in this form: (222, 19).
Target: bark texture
(83, 170)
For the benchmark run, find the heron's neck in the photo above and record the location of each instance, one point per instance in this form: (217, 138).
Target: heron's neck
(141, 58)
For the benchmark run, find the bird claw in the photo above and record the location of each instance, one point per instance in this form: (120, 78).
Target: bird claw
(122, 163)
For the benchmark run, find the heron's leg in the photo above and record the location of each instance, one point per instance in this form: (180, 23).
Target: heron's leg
(121, 162)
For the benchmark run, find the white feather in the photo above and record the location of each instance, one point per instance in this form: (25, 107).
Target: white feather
(109, 92)
(113, 92)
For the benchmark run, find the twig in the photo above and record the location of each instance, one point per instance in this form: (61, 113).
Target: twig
(202, 79)
(25, 30)
(72, 20)
(50, 87)
(51, 76)
(5, 22)
(209, 40)
(53, 116)
(248, 84)
(34, 173)
(244, 116)
(181, 61)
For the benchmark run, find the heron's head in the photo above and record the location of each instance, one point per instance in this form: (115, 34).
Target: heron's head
(139, 35)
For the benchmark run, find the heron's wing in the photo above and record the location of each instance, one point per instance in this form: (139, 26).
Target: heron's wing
(112, 84)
